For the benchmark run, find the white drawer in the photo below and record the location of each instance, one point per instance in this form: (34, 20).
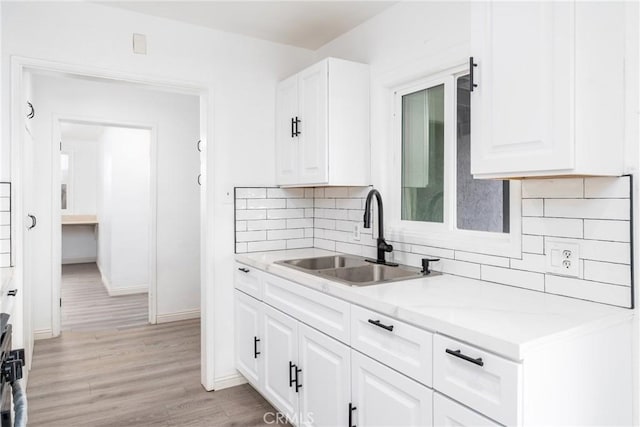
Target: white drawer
(483, 381)
(448, 413)
(248, 280)
(327, 314)
(398, 345)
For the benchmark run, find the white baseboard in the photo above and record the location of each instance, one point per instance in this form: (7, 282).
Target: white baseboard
(42, 334)
(129, 290)
(229, 381)
(177, 316)
(79, 260)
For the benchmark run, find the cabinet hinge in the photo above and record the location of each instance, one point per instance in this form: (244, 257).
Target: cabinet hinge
(60, 302)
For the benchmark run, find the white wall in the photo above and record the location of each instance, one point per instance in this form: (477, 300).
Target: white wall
(176, 119)
(240, 74)
(125, 212)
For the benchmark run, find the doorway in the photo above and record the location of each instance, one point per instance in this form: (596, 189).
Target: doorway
(106, 206)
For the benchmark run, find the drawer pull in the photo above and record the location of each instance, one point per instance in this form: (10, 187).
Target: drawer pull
(351, 409)
(298, 385)
(381, 325)
(458, 353)
(244, 270)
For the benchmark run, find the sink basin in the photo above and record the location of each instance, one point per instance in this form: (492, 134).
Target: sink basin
(353, 271)
(323, 263)
(371, 274)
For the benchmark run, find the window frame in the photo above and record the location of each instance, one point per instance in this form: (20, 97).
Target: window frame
(446, 235)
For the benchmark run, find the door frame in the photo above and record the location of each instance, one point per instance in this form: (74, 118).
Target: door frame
(21, 64)
(56, 232)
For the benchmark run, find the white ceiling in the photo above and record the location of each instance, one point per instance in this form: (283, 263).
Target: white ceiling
(306, 24)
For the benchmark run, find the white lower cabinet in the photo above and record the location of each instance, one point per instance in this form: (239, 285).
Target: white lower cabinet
(325, 379)
(383, 397)
(449, 413)
(280, 358)
(248, 317)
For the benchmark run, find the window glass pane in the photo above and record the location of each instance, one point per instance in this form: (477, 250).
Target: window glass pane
(482, 205)
(423, 155)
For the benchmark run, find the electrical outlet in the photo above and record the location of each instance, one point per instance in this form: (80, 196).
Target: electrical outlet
(562, 258)
(356, 231)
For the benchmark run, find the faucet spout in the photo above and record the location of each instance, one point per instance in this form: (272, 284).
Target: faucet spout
(382, 246)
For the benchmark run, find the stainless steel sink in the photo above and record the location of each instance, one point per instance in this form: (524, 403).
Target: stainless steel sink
(323, 263)
(353, 271)
(371, 274)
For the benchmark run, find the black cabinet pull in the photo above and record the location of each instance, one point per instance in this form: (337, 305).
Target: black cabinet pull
(291, 379)
(472, 65)
(381, 325)
(458, 353)
(199, 177)
(32, 111)
(198, 146)
(293, 127)
(12, 292)
(297, 121)
(244, 270)
(351, 409)
(298, 385)
(256, 340)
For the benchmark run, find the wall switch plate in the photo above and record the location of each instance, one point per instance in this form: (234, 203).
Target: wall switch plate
(356, 231)
(563, 258)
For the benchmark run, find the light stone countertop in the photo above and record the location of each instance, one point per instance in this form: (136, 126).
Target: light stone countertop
(505, 320)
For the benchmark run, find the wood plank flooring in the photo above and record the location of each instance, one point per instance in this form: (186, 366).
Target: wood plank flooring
(141, 376)
(86, 306)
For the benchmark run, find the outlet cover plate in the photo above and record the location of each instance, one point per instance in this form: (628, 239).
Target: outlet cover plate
(563, 258)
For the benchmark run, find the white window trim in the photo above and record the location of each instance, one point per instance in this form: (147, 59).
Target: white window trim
(446, 235)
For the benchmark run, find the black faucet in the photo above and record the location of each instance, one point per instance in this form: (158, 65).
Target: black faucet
(382, 245)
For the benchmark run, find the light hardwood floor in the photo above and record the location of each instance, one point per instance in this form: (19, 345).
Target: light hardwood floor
(110, 368)
(86, 306)
(143, 376)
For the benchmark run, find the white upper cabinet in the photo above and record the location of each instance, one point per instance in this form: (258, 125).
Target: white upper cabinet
(322, 130)
(549, 99)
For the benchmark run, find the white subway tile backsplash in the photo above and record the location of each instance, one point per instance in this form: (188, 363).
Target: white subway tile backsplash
(251, 236)
(300, 243)
(5, 246)
(299, 203)
(5, 260)
(532, 207)
(591, 212)
(530, 262)
(603, 188)
(618, 274)
(336, 192)
(533, 244)
(584, 289)
(559, 227)
(251, 193)
(482, 259)
(5, 204)
(285, 193)
(507, 276)
(5, 218)
(587, 208)
(285, 213)
(5, 232)
(300, 223)
(552, 188)
(297, 233)
(250, 214)
(267, 245)
(241, 226)
(5, 189)
(266, 204)
(602, 229)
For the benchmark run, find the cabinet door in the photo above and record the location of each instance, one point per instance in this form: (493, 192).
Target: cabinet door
(313, 114)
(383, 397)
(280, 349)
(326, 379)
(286, 142)
(521, 120)
(448, 413)
(249, 357)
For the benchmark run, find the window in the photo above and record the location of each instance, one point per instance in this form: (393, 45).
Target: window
(437, 200)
